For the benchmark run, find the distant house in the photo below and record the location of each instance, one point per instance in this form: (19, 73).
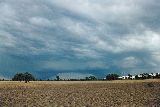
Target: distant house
(126, 77)
(140, 75)
(133, 77)
(123, 77)
(120, 78)
(153, 74)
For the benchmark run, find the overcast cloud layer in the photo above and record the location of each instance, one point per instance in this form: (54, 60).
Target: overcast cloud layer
(90, 37)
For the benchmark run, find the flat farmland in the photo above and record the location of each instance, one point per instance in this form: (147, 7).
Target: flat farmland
(120, 93)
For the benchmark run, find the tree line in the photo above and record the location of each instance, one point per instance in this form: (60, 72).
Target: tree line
(115, 77)
(29, 77)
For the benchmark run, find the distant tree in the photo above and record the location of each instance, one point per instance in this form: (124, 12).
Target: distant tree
(112, 76)
(18, 77)
(87, 78)
(150, 77)
(28, 77)
(145, 76)
(23, 77)
(136, 77)
(130, 76)
(57, 78)
(157, 75)
(92, 78)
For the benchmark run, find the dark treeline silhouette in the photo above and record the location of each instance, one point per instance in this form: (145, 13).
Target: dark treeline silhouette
(3, 79)
(112, 77)
(29, 77)
(116, 77)
(90, 78)
(23, 77)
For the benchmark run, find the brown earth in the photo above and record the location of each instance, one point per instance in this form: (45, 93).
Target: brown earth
(125, 93)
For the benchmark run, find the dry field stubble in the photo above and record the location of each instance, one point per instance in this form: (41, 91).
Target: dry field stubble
(137, 93)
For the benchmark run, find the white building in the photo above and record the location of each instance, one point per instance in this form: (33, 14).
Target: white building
(120, 78)
(133, 77)
(153, 74)
(126, 77)
(123, 77)
(139, 75)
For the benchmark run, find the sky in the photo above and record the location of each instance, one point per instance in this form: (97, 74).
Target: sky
(77, 38)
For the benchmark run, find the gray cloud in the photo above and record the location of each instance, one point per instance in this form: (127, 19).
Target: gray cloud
(80, 35)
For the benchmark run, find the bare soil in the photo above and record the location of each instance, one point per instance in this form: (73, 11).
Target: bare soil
(122, 93)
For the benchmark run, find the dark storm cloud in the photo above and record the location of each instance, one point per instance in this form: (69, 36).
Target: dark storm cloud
(85, 37)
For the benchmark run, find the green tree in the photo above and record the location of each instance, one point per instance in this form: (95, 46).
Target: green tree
(130, 76)
(112, 76)
(92, 78)
(86, 78)
(57, 78)
(23, 77)
(28, 77)
(157, 75)
(136, 77)
(18, 77)
(145, 76)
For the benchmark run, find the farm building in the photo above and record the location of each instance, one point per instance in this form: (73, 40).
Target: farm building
(126, 77)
